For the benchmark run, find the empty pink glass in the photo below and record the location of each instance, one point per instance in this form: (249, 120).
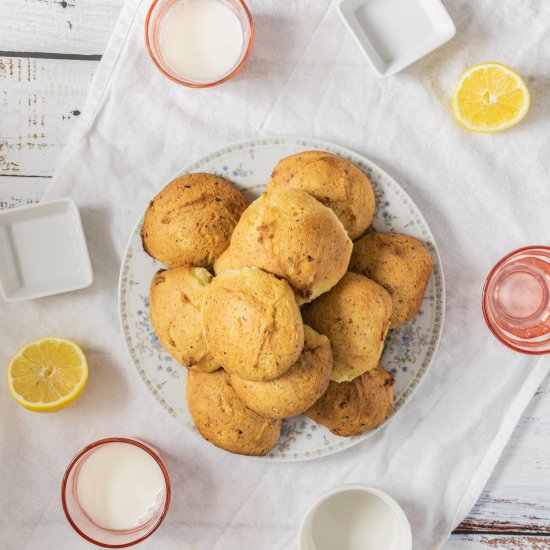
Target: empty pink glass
(516, 300)
(81, 522)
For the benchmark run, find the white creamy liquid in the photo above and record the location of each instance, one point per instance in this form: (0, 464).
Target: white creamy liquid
(202, 39)
(120, 486)
(355, 521)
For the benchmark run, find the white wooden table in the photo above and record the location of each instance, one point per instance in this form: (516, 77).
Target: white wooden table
(49, 51)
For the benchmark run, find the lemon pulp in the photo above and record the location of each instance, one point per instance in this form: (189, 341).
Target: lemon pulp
(490, 97)
(47, 374)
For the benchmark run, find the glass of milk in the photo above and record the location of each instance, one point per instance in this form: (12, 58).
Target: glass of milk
(199, 43)
(116, 492)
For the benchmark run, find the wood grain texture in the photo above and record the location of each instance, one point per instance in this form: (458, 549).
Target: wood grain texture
(40, 98)
(517, 496)
(16, 191)
(497, 542)
(61, 26)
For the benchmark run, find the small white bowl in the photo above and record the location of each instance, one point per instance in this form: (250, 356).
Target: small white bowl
(393, 34)
(354, 517)
(42, 251)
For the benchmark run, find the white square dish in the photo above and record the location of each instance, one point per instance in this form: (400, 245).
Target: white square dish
(42, 251)
(393, 34)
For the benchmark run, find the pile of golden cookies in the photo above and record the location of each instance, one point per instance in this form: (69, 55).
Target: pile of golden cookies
(282, 306)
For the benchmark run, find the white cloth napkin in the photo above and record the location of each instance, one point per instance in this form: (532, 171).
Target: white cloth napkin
(482, 196)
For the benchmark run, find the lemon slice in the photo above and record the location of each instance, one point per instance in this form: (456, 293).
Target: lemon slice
(490, 97)
(47, 374)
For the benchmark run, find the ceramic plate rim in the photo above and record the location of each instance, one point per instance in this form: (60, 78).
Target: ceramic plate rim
(318, 144)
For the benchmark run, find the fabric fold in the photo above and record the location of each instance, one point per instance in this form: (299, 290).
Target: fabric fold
(481, 195)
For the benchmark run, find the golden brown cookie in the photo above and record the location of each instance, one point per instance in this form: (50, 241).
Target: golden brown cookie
(355, 315)
(252, 324)
(352, 408)
(191, 220)
(298, 388)
(332, 180)
(401, 264)
(224, 420)
(176, 299)
(223, 263)
(292, 235)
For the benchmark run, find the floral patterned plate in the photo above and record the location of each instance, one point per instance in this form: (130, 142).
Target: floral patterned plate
(409, 350)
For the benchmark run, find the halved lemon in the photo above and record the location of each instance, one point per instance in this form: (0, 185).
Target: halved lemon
(47, 374)
(490, 97)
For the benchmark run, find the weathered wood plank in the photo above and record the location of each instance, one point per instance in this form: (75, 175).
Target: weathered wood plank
(497, 542)
(517, 496)
(62, 26)
(16, 191)
(40, 99)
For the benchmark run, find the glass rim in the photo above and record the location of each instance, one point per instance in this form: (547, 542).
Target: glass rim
(186, 83)
(497, 334)
(105, 441)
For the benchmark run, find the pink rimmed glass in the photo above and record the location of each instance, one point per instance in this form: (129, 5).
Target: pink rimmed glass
(154, 25)
(81, 522)
(516, 300)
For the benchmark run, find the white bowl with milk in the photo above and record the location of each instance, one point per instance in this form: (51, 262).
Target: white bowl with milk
(355, 517)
